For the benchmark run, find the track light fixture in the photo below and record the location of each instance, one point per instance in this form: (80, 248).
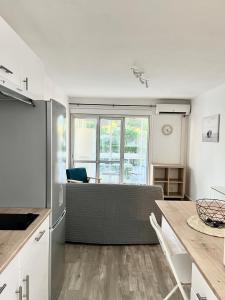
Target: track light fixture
(140, 75)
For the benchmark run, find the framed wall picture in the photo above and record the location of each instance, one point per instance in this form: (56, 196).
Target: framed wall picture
(211, 128)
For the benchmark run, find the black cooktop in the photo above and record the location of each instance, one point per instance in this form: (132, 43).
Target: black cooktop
(16, 221)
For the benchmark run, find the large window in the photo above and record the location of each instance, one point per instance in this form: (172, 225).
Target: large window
(112, 148)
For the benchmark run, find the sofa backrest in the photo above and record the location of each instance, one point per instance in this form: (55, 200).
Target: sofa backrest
(121, 210)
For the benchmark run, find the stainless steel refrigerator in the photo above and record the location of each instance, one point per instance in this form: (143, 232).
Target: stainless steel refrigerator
(32, 169)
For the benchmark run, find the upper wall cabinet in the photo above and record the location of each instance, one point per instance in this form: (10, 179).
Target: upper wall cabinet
(32, 74)
(20, 69)
(9, 56)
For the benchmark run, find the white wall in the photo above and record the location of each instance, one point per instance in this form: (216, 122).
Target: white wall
(163, 149)
(169, 149)
(206, 161)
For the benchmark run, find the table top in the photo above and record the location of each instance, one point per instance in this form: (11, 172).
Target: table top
(206, 251)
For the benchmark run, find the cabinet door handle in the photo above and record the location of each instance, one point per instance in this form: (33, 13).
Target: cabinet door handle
(6, 69)
(3, 287)
(20, 292)
(200, 297)
(40, 236)
(27, 294)
(26, 83)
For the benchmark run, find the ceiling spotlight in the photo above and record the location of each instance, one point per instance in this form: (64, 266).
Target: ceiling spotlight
(140, 75)
(146, 84)
(137, 73)
(142, 80)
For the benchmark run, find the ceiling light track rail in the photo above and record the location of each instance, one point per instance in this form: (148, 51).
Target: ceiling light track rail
(141, 76)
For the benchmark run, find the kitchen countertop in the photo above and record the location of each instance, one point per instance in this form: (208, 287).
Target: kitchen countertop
(206, 251)
(11, 241)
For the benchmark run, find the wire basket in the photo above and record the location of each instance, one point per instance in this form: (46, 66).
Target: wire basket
(211, 212)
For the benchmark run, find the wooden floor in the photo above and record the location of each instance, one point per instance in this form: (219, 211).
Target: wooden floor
(116, 273)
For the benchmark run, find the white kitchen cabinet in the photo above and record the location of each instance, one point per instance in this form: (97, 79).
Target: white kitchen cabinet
(26, 276)
(32, 75)
(20, 69)
(9, 55)
(199, 288)
(34, 260)
(10, 282)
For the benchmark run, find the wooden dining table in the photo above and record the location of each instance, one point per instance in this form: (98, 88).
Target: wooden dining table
(206, 251)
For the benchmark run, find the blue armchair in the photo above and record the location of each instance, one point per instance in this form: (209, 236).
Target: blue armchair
(79, 175)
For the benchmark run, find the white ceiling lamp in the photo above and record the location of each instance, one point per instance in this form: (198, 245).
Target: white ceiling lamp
(141, 76)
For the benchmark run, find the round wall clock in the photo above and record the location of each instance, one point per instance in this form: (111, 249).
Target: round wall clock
(167, 129)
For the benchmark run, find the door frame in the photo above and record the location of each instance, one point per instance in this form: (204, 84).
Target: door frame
(97, 162)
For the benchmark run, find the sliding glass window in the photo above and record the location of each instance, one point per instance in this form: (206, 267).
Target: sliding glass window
(112, 148)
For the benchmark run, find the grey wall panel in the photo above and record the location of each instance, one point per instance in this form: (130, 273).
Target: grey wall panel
(22, 154)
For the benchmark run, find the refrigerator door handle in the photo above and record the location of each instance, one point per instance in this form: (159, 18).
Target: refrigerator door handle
(59, 220)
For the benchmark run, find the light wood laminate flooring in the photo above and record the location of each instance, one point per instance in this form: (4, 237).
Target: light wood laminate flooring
(116, 273)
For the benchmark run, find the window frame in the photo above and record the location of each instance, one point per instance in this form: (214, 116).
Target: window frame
(98, 118)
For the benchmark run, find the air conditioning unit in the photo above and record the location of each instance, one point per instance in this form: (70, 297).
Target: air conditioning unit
(182, 109)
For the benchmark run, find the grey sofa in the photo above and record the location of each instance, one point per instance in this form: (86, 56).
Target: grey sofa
(111, 213)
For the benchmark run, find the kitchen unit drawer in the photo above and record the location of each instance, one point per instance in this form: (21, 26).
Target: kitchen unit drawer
(197, 296)
(193, 295)
(9, 281)
(200, 289)
(40, 236)
(34, 260)
(26, 276)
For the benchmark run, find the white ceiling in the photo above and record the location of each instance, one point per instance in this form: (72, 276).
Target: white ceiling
(88, 46)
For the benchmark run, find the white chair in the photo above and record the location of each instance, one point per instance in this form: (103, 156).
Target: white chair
(180, 264)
